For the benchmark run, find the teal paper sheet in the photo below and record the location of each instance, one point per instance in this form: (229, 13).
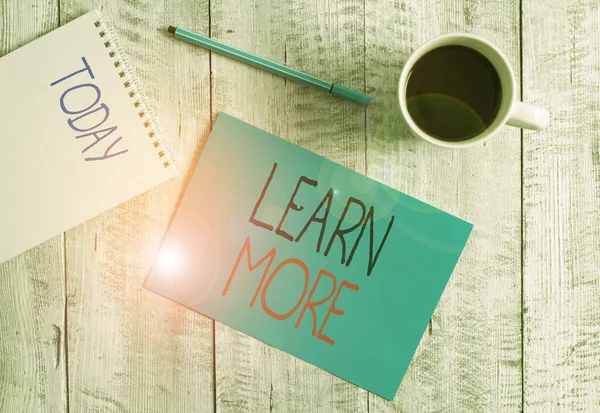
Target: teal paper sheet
(347, 280)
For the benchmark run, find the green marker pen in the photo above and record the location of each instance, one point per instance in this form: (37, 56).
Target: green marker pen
(276, 68)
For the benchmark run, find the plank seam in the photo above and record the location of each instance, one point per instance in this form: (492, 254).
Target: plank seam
(522, 216)
(365, 79)
(65, 323)
(65, 295)
(210, 115)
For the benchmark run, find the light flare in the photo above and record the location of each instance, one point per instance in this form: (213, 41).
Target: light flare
(169, 260)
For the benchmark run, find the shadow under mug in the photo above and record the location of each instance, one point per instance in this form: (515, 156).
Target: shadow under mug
(511, 112)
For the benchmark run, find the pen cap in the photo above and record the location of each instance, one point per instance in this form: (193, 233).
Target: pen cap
(350, 94)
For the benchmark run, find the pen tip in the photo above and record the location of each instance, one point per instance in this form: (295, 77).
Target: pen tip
(171, 29)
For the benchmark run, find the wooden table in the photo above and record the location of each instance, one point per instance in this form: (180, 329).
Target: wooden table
(517, 329)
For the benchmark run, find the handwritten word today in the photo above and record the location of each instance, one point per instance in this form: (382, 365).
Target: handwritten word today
(319, 217)
(87, 115)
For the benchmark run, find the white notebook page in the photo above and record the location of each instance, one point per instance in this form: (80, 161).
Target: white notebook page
(53, 91)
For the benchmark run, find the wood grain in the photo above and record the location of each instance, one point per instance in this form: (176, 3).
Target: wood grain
(561, 200)
(323, 38)
(32, 336)
(129, 349)
(470, 355)
(79, 333)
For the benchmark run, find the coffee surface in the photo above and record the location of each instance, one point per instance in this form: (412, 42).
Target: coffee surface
(453, 93)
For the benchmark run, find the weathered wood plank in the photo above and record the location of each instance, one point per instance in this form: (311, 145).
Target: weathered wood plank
(470, 356)
(32, 359)
(324, 38)
(131, 350)
(561, 203)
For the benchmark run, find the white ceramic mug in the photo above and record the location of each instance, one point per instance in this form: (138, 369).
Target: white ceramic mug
(512, 111)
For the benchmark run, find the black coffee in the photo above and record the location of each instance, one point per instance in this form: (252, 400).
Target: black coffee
(453, 93)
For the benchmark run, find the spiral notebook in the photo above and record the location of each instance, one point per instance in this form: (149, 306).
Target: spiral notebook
(77, 137)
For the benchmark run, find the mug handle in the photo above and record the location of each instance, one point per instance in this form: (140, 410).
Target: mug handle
(526, 116)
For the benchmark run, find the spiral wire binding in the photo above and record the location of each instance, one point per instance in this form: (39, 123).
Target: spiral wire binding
(136, 93)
